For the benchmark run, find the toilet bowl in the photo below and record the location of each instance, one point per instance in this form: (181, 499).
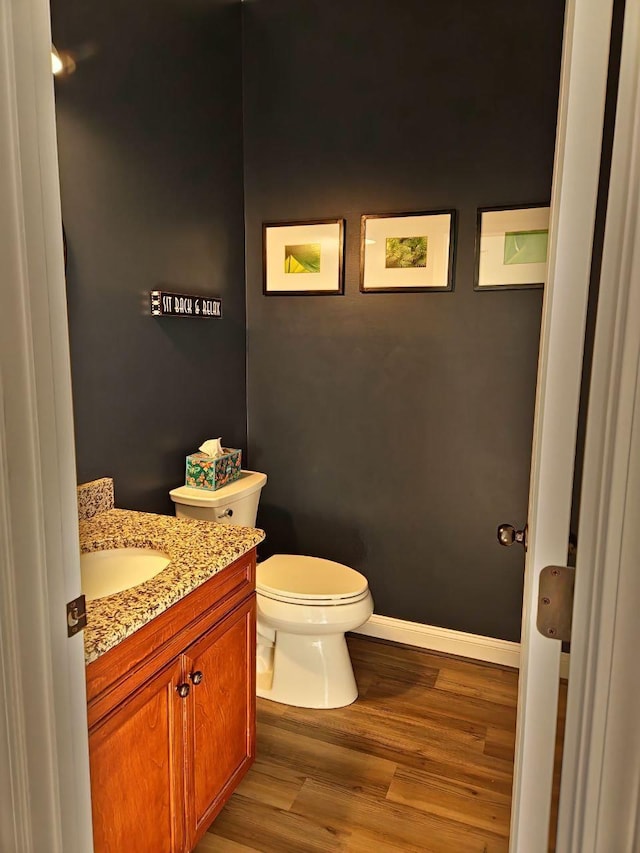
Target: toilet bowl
(305, 605)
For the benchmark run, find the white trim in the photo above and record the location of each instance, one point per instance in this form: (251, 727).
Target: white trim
(448, 642)
(442, 640)
(15, 826)
(16, 805)
(600, 792)
(44, 726)
(573, 207)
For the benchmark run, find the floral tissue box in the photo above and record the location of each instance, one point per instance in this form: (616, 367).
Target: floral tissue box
(208, 472)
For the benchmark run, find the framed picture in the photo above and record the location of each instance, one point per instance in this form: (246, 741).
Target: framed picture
(406, 252)
(511, 247)
(303, 258)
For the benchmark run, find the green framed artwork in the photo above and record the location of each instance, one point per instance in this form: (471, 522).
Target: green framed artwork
(303, 258)
(512, 245)
(405, 252)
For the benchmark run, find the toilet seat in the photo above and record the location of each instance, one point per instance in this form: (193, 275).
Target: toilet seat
(295, 579)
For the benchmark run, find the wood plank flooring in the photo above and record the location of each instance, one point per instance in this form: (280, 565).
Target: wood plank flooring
(422, 762)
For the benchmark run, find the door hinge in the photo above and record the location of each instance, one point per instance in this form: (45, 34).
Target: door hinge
(555, 602)
(76, 615)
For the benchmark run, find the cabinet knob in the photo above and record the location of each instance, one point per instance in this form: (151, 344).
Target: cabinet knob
(183, 690)
(196, 677)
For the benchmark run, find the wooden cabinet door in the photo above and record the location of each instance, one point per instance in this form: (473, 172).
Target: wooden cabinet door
(137, 764)
(221, 710)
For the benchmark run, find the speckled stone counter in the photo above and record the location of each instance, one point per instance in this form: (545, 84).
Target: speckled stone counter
(95, 497)
(197, 549)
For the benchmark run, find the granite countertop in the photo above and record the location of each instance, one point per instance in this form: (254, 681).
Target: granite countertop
(197, 549)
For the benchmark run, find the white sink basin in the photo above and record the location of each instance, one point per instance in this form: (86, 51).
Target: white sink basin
(107, 572)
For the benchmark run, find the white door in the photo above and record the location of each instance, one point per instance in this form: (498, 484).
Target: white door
(576, 170)
(46, 805)
(600, 792)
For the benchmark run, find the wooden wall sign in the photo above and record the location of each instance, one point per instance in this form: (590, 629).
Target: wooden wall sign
(164, 304)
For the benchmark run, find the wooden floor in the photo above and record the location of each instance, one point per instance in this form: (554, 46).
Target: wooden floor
(422, 761)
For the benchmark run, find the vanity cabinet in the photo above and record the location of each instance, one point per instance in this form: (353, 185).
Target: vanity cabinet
(172, 718)
(136, 758)
(220, 716)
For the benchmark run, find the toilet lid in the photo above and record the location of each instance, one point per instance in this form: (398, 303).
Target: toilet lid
(290, 576)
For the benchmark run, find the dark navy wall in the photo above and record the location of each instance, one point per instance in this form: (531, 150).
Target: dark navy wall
(396, 428)
(150, 148)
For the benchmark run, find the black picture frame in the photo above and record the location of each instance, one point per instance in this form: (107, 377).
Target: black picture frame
(505, 209)
(446, 254)
(327, 234)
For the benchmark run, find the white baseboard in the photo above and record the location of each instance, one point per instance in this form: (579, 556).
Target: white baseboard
(448, 642)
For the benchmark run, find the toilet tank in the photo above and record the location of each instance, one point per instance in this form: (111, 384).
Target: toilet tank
(236, 503)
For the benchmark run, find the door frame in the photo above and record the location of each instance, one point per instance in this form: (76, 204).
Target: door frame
(576, 173)
(44, 763)
(44, 781)
(600, 786)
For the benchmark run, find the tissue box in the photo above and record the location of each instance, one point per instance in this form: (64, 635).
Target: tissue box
(211, 473)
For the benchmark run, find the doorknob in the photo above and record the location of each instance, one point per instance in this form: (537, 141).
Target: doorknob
(507, 535)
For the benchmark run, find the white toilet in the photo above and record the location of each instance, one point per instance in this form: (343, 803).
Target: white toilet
(305, 606)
